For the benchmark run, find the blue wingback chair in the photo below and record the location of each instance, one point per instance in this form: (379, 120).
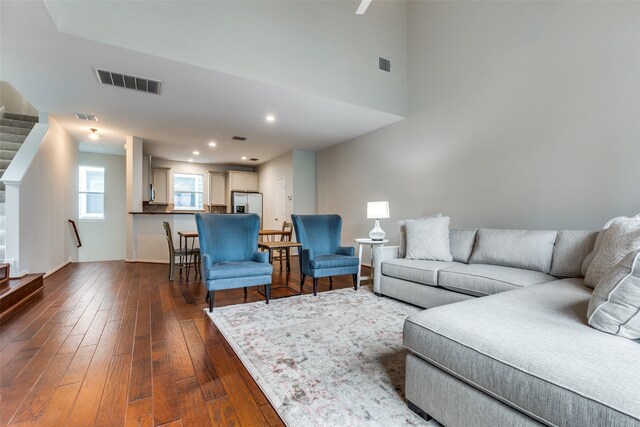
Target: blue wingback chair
(230, 257)
(321, 254)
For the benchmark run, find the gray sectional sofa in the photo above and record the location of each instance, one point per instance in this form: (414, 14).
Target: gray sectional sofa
(521, 355)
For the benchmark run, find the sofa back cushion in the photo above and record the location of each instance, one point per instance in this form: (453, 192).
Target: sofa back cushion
(461, 244)
(570, 250)
(529, 249)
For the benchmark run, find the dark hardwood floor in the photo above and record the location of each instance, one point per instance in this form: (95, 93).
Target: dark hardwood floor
(111, 343)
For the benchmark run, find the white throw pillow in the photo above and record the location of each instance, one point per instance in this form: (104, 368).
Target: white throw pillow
(403, 233)
(428, 239)
(615, 303)
(596, 246)
(622, 237)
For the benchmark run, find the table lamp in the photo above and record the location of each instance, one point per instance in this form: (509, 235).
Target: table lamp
(377, 210)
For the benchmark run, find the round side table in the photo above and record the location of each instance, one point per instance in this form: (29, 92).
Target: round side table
(373, 244)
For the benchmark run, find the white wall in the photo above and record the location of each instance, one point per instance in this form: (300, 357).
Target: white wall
(14, 102)
(106, 239)
(268, 173)
(318, 47)
(522, 114)
(47, 199)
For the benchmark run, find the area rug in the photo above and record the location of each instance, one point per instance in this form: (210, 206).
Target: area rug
(332, 360)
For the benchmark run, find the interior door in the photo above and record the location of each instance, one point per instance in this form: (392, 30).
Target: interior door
(280, 200)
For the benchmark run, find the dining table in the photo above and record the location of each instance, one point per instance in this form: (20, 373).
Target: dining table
(271, 234)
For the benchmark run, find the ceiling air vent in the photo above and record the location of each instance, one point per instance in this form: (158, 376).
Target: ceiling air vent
(253, 159)
(239, 138)
(384, 64)
(127, 81)
(90, 117)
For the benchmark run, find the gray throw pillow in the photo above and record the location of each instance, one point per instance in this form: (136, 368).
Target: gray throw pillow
(615, 303)
(428, 239)
(596, 246)
(403, 233)
(622, 237)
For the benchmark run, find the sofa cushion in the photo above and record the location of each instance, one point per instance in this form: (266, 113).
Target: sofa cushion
(532, 349)
(461, 244)
(232, 269)
(615, 304)
(530, 249)
(622, 237)
(570, 250)
(485, 279)
(415, 270)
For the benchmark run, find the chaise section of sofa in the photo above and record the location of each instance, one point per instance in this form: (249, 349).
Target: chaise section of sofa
(528, 350)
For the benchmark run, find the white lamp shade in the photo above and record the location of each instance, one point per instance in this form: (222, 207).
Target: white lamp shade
(376, 210)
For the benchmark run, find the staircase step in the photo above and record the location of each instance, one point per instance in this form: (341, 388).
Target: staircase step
(7, 154)
(16, 123)
(22, 117)
(10, 145)
(12, 137)
(14, 130)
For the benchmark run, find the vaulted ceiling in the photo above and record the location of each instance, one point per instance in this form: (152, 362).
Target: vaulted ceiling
(224, 67)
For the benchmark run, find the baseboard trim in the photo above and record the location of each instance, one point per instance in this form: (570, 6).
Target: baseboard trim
(146, 261)
(50, 272)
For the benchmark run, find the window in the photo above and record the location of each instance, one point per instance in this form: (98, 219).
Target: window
(91, 192)
(187, 191)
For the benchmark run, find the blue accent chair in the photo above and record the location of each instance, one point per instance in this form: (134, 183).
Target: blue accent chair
(230, 257)
(321, 254)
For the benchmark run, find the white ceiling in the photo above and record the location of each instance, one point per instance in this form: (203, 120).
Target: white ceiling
(54, 72)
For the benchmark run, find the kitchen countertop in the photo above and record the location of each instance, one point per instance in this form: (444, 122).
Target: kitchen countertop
(167, 213)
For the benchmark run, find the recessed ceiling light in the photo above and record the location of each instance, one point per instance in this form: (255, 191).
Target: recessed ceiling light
(244, 157)
(196, 153)
(191, 160)
(212, 144)
(271, 118)
(94, 133)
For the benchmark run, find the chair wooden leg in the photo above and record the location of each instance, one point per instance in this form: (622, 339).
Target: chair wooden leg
(172, 268)
(267, 293)
(355, 281)
(330, 283)
(245, 291)
(304, 276)
(315, 286)
(211, 296)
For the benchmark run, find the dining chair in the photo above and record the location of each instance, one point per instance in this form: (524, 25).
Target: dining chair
(287, 227)
(230, 256)
(321, 254)
(182, 253)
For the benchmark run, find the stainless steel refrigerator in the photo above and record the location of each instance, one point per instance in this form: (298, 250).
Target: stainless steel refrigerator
(243, 202)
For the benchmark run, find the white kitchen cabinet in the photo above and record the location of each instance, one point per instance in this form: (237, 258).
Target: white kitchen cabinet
(161, 185)
(217, 188)
(240, 181)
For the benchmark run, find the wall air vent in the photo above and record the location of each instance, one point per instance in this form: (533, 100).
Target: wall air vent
(253, 159)
(384, 64)
(90, 117)
(239, 138)
(127, 81)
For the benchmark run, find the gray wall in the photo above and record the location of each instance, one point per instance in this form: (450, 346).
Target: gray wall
(522, 114)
